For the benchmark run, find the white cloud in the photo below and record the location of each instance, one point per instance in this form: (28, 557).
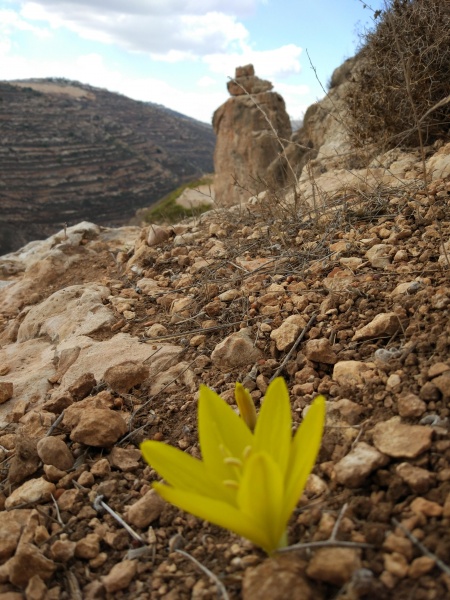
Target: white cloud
(10, 21)
(197, 27)
(206, 81)
(279, 62)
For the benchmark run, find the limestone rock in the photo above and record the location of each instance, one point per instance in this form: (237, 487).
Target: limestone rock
(36, 589)
(396, 564)
(443, 384)
(83, 386)
(30, 366)
(288, 332)
(101, 468)
(378, 255)
(339, 280)
(354, 469)
(321, 135)
(74, 310)
(71, 501)
(438, 369)
(43, 263)
(421, 566)
(125, 459)
(156, 235)
(246, 82)
(97, 357)
(245, 144)
(62, 550)
(6, 391)
(383, 325)
(10, 531)
(315, 486)
(171, 379)
(401, 441)
(351, 372)
(99, 427)
(320, 350)
(124, 376)
(236, 350)
(334, 565)
(230, 295)
(35, 423)
(351, 262)
(53, 451)
(120, 576)
(426, 507)
(27, 562)
(350, 411)
(156, 330)
(277, 578)
(65, 360)
(146, 510)
(439, 164)
(88, 547)
(25, 461)
(418, 479)
(409, 405)
(34, 490)
(149, 287)
(407, 287)
(72, 414)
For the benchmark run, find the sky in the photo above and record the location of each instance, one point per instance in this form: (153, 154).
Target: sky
(181, 53)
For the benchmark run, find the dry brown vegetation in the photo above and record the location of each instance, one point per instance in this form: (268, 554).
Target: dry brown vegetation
(400, 96)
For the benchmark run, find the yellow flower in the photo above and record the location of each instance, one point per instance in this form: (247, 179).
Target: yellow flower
(246, 405)
(247, 482)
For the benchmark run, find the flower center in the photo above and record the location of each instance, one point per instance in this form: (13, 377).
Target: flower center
(237, 466)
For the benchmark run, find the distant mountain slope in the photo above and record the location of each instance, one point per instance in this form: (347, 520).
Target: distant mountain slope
(70, 152)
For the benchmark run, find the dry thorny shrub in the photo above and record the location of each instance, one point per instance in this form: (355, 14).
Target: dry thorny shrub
(400, 94)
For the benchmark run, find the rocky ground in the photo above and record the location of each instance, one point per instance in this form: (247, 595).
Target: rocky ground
(106, 335)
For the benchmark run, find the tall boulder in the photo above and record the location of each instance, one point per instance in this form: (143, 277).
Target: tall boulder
(251, 128)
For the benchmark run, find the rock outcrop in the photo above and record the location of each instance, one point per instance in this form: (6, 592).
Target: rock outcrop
(322, 163)
(251, 127)
(323, 134)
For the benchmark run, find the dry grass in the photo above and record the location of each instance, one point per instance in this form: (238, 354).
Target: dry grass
(399, 96)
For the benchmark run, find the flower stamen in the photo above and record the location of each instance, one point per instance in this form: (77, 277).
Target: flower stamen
(231, 483)
(234, 462)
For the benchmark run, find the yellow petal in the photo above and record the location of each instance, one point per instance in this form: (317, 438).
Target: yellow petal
(304, 450)
(246, 405)
(273, 427)
(183, 470)
(214, 511)
(261, 496)
(222, 433)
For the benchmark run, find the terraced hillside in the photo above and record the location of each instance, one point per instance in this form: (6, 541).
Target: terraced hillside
(72, 152)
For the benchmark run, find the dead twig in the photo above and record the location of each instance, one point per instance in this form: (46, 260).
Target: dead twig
(331, 541)
(58, 514)
(98, 504)
(221, 588)
(421, 547)
(55, 424)
(294, 347)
